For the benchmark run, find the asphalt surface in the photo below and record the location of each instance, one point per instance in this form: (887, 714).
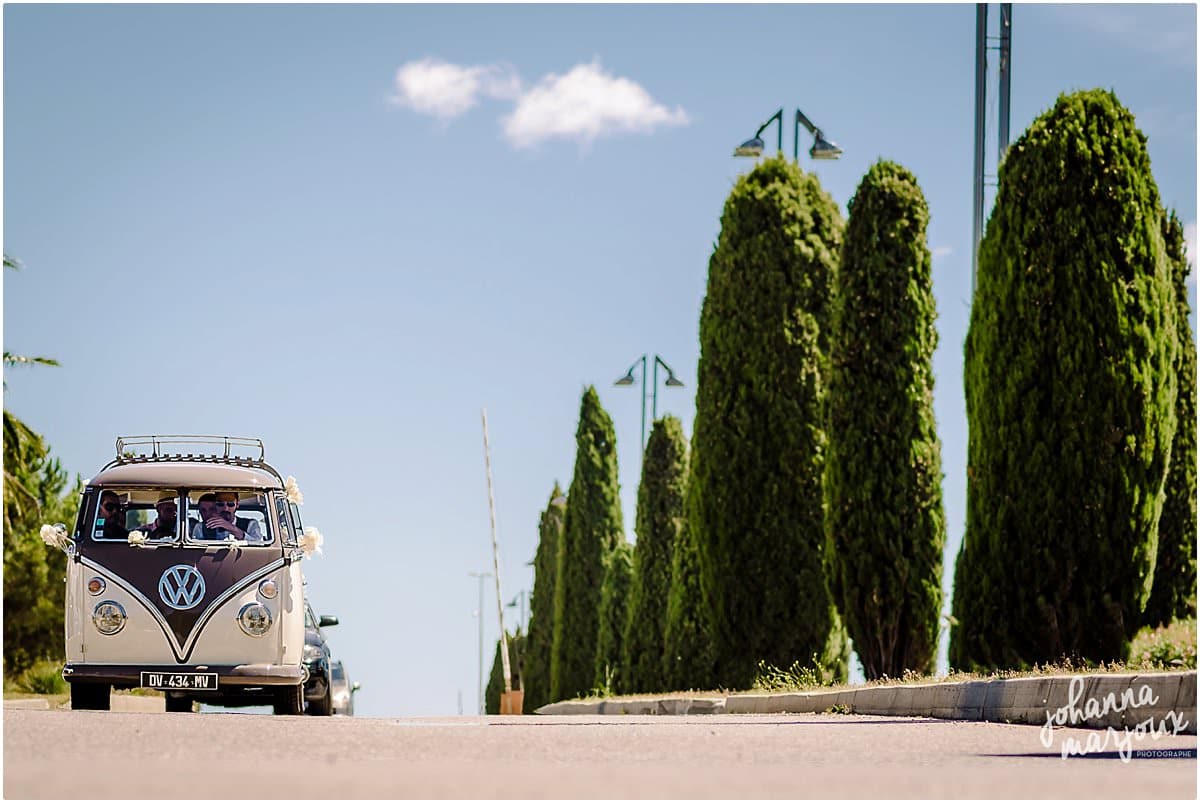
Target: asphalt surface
(86, 754)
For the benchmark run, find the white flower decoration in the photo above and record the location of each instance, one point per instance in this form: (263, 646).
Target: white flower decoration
(137, 538)
(292, 490)
(55, 535)
(311, 541)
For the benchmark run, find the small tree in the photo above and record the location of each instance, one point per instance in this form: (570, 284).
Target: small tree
(660, 517)
(591, 530)
(610, 673)
(516, 663)
(1173, 595)
(541, 605)
(754, 495)
(1070, 385)
(883, 473)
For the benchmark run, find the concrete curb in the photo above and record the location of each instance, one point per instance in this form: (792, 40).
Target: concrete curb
(28, 704)
(1085, 701)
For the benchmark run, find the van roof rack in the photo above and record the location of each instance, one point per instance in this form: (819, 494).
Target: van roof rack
(222, 449)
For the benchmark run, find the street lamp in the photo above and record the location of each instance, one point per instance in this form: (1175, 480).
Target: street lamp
(482, 576)
(821, 149)
(671, 382)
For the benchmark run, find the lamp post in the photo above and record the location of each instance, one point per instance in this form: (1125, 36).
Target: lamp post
(672, 382)
(479, 612)
(821, 149)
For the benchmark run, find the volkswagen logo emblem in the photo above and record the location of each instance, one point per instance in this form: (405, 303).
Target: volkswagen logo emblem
(181, 587)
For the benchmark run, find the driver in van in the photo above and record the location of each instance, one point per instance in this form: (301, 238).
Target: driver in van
(113, 516)
(168, 514)
(219, 522)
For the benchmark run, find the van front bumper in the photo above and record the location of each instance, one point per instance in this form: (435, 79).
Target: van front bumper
(237, 675)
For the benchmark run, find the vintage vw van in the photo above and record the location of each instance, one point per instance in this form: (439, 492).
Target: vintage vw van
(183, 574)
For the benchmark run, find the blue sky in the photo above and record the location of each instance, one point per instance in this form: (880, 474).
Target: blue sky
(347, 229)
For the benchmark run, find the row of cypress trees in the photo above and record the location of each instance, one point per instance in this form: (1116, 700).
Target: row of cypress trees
(810, 509)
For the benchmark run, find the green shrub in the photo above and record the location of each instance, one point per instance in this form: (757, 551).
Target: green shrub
(660, 517)
(592, 528)
(883, 499)
(1173, 595)
(754, 495)
(44, 677)
(609, 672)
(1166, 647)
(688, 651)
(541, 604)
(1070, 388)
(516, 660)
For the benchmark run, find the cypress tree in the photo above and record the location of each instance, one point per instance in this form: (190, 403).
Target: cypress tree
(1173, 595)
(883, 474)
(516, 663)
(610, 673)
(592, 528)
(688, 652)
(541, 604)
(754, 496)
(660, 516)
(1070, 388)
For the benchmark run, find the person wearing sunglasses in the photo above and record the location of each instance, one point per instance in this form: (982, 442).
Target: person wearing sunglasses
(112, 516)
(218, 520)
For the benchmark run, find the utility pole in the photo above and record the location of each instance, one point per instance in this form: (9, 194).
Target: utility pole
(1005, 94)
(479, 612)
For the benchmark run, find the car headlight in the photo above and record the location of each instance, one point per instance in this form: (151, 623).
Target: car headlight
(255, 619)
(108, 617)
(312, 652)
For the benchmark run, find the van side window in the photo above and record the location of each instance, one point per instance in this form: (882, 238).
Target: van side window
(281, 507)
(296, 519)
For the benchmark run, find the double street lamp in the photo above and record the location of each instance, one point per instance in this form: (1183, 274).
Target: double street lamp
(672, 382)
(821, 149)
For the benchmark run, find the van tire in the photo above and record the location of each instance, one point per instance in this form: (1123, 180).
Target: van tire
(90, 696)
(289, 700)
(179, 704)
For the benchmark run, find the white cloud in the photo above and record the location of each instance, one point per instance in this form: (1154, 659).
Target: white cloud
(584, 104)
(444, 90)
(942, 251)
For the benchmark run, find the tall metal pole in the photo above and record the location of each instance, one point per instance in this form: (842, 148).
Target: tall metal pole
(980, 121)
(1005, 79)
(487, 460)
(481, 576)
(642, 431)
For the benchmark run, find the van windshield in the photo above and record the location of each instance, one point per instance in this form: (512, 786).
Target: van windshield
(228, 515)
(121, 511)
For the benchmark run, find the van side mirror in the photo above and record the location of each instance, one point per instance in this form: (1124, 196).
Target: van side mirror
(328, 621)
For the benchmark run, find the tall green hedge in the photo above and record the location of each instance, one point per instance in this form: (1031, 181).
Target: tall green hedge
(660, 517)
(541, 605)
(754, 498)
(883, 476)
(609, 673)
(1070, 387)
(1174, 593)
(591, 530)
(516, 663)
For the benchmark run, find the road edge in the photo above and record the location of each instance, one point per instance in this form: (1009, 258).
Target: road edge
(1157, 700)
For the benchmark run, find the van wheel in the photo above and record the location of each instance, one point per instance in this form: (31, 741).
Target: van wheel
(90, 696)
(289, 700)
(179, 704)
(323, 705)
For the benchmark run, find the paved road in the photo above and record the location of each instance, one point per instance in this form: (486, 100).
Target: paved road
(65, 754)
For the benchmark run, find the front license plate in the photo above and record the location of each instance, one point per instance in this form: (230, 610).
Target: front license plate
(194, 681)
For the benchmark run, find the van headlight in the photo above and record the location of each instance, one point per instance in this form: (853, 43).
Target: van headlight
(108, 617)
(255, 619)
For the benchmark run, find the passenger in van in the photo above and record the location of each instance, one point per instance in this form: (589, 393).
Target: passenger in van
(168, 515)
(113, 516)
(218, 520)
